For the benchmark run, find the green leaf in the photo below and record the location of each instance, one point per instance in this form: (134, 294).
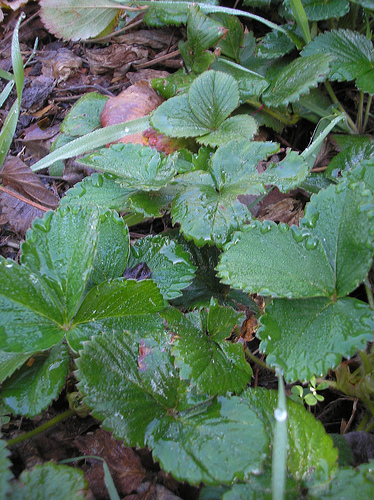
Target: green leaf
(5, 472)
(131, 384)
(176, 83)
(33, 387)
(347, 483)
(208, 208)
(231, 43)
(169, 264)
(346, 232)
(59, 251)
(235, 128)
(198, 445)
(311, 453)
(9, 362)
(297, 79)
(274, 44)
(318, 10)
(98, 189)
(30, 317)
(353, 56)
(202, 353)
(251, 263)
(50, 481)
(113, 248)
(84, 116)
(116, 305)
(170, 13)
(300, 17)
(70, 21)
(259, 488)
(295, 334)
(350, 158)
(137, 166)
(210, 100)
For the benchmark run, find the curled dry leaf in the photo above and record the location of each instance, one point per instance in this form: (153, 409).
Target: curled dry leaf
(135, 102)
(117, 57)
(18, 176)
(18, 214)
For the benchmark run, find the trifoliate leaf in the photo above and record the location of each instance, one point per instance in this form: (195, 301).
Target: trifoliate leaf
(116, 305)
(71, 21)
(33, 387)
(59, 251)
(235, 128)
(131, 383)
(353, 56)
(295, 333)
(138, 167)
(297, 79)
(203, 355)
(169, 264)
(202, 112)
(84, 116)
(50, 481)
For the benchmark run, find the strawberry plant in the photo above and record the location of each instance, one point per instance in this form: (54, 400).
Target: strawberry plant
(151, 330)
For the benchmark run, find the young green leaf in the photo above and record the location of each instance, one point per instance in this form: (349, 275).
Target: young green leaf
(33, 387)
(353, 56)
(210, 100)
(169, 264)
(202, 353)
(138, 167)
(297, 79)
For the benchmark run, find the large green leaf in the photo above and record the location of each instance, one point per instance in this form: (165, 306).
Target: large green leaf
(210, 100)
(137, 166)
(307, 337)
(346, 232)
(131, 384)
(350, 158)
(172, 13)
(116, 305)
(276, 260)
(297, 79)
(202, 353)
(169, 264)
(30, 317)
(72, 21)
(59, 250)
(208, 208)
(50, 481)
(353, 56)
(9, 362)
(33, 387)
(317, 10)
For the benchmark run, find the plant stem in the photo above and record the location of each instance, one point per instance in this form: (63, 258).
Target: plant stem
(63, 416)
(367, 113)
(275, 114)
(340, 107)
(364, 422)
(259, 362)
(360, 112)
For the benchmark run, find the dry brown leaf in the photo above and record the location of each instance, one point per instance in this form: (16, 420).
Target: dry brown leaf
(124, 464)
(152, 491)
(37, 141)
(17, 175)
(287, 210)
(115, 57)
(17, 213)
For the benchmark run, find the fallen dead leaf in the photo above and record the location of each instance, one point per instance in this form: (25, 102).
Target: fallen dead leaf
(124, 464)
(118, 57)
(18, 176)
(17, 213)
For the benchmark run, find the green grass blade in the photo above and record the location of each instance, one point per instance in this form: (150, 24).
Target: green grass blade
(17, 59)
(93, 140)
(278, 479)
(301, 19)
(5, 93)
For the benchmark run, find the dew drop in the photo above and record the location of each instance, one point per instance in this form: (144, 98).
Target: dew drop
(311, 243)
(280, 415)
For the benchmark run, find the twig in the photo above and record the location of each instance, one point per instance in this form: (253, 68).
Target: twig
(22, 198)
